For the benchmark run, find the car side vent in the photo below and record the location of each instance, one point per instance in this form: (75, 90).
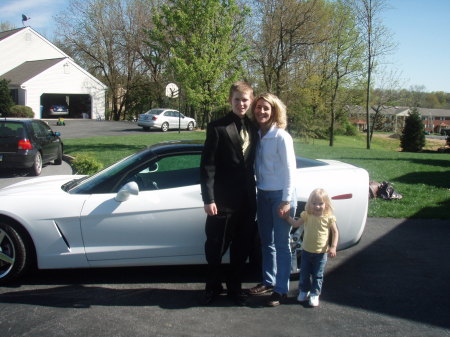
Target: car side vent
(62, 235)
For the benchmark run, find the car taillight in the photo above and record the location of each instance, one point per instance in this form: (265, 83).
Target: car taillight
(342, 196)
(24, 144)
(154, 118)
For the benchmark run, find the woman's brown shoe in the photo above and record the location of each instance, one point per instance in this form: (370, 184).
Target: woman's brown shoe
(260, 289)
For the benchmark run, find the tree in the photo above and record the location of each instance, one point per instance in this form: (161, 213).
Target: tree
(413, 135)
(106, 37)
(205, 48)
(4, 26)
(283, 31)
(6, 101)
(377, 41)
(384, 97)
(342, 57)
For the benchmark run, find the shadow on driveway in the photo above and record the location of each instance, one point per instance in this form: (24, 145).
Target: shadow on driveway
(399, 269)
(404, 273)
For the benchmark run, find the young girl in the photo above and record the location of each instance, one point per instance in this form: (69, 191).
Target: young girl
(319, 222)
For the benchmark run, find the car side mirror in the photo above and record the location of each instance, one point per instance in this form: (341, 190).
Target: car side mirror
(57, 134)
(128, 189)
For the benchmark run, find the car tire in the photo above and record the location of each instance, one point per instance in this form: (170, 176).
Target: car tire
(36, 169)
(165, 127)
(190, 126)
(16, 254)
(295, 242)
(58, 160)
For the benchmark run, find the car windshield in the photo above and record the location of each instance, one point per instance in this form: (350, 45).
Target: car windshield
(105, 180)
(306, 162)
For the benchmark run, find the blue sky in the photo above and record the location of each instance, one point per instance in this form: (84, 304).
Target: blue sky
(422, 30)
(420, 27)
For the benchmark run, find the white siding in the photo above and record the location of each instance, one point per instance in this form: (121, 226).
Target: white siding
(65, 77)
(26, 45)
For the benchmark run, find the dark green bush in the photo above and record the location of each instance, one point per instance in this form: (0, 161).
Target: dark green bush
(413, 135)
(21, 111)
(86, 164)
(346, 128)
(6, 101)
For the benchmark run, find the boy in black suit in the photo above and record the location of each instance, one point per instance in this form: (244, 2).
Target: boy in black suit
(229, 194)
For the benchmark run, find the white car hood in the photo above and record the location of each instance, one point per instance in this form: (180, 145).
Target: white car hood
(48, 184)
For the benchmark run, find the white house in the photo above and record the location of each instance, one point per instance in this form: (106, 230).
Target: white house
(41, 74)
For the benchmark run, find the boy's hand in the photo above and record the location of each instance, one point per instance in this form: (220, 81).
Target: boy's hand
(210, 209)
(332, 252)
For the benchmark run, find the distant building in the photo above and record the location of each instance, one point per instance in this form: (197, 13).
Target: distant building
(42, 75)
(434, 120)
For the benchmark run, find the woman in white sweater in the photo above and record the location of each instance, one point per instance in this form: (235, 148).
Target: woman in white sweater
(275, 166)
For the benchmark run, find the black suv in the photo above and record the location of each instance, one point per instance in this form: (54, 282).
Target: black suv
(28, 143)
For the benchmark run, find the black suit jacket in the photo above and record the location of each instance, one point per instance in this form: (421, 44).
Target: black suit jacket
(226, 177)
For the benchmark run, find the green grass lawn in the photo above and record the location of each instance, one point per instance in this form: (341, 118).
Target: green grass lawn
(421, 178)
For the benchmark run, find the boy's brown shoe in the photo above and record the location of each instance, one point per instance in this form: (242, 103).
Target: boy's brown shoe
(276, 299)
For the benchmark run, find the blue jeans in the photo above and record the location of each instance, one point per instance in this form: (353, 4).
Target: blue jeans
(274, 233)
(312, 267)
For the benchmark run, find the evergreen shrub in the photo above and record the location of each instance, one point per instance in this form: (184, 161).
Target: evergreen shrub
(86, 164)
(21, 111)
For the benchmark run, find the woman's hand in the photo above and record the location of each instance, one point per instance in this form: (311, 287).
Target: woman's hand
(283, 209)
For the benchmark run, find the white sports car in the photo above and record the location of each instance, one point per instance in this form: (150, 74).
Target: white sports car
(144, 210)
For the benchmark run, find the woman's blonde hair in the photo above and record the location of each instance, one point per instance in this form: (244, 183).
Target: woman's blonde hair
(319, 194)
(279, 116)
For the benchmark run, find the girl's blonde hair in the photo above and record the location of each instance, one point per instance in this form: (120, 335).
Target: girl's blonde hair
(279, 116)
(319, 194)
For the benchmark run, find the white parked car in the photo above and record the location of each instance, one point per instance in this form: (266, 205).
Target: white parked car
(165, 119)
(144, 210)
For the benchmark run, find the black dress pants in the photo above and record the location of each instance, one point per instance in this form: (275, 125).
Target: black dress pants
(233, 230)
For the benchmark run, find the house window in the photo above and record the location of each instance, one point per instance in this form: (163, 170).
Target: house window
(15, 95)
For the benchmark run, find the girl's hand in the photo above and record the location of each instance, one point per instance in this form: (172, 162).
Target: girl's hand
(332, 252)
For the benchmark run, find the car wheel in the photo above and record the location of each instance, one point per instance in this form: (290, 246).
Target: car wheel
(295, 241)
(165, 127)
(36, 169)
(190, 126)
(14, 255)
(58, 160)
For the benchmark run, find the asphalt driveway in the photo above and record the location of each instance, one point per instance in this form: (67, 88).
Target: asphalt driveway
(393, 283)
(82, 128)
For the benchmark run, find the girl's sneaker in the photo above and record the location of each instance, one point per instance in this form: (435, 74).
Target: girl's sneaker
(302, 296)
(314, 300)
